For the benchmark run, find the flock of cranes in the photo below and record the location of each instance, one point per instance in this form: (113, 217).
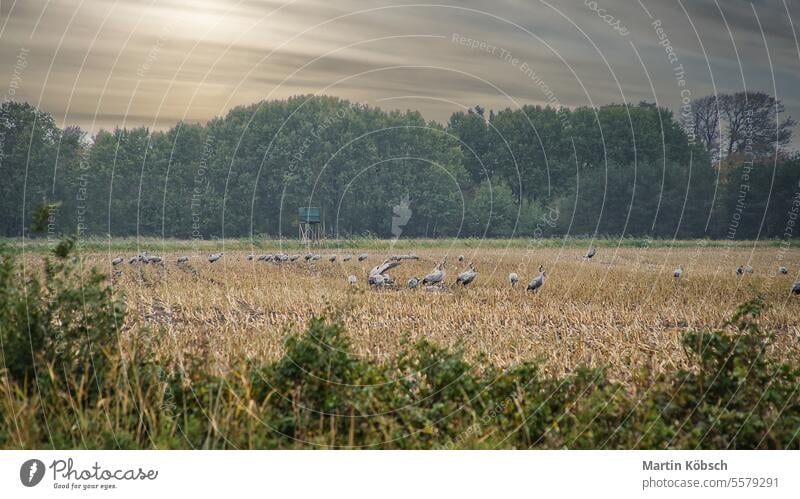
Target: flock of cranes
(379, 277)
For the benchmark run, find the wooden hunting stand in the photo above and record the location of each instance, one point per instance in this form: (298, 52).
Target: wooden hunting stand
(310, 225)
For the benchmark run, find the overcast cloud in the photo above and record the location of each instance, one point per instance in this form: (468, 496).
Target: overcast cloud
(100, 63)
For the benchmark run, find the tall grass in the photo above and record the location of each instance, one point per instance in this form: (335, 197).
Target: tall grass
(131, 245)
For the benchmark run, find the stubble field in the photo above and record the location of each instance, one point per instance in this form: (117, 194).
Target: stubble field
(623, 309)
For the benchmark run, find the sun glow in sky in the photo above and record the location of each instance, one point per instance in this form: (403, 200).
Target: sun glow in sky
(103, 63)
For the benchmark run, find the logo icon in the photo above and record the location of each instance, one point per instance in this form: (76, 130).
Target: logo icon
(31, 472)
(402, 214)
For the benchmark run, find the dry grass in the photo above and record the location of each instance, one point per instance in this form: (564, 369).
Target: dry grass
(623, 309)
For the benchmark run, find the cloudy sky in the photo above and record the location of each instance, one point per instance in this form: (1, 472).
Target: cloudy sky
(101, 63)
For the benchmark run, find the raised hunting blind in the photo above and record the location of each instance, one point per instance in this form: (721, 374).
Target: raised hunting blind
(309, 223)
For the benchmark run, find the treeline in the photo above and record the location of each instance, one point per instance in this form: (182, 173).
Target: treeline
(529, 172)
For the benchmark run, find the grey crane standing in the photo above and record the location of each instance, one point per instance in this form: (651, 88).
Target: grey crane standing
(437, 275)
(413, 283)
(783, 270)
(213, 257)
(352, 280)
(116, 261)
(465, 278)
(796, 288)
(513, 278)
(182, 259)
(678, 272)
(538, 282)
(362, 257)
(590, 253)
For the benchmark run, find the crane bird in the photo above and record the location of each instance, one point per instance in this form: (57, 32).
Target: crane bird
(332, 258)
(362, 257)
(413, 283)
(384, 267)
(133, 260)
(783, 270)
(796, 288)
(468, 276)
(378, 275)
(213, 257)
(347, 258)
(747, 269)
(250, 257)
(153, 259)
(294, 258)
(314, 258)
(590, 253)
(307, 257)
(405, 257)
(352, 280)
(116, 261)
(376, 280)
(537, 283)
(437, 274)
(513, 278)
(460, 258)
(182, 259)
(678, 272)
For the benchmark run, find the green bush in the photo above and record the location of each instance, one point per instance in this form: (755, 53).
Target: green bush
(68, 324)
